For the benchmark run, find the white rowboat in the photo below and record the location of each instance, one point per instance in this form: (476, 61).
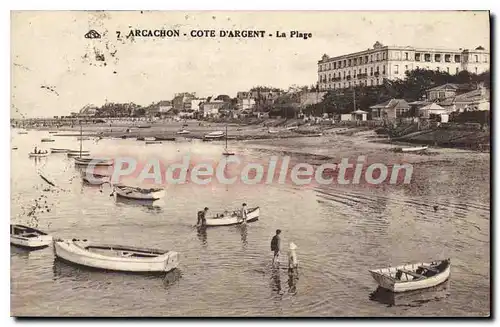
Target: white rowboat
(233, 218)
(413, 276)
(93, 161)
(150, 139)
(116, 257)
(214, 135)
(56, 150)
(414, 149)
(29, 237)
(184, 131)
(47, 140)
(138, 193)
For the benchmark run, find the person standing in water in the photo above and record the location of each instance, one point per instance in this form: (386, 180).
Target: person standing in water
(202, 218)
(275, 246)
(244, 212)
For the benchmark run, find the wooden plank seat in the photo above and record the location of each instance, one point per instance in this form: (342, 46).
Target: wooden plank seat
(411, 273)
(429, 268)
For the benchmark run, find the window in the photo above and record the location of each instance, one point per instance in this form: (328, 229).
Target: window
(427, 57)
(366, 71)
(334, 65)
(329, 77)
(329, 66)
(383, 69)
(476, 58)
(371, 71)
(447, 58)
(397, 55)
(485, 58)
(441, 95)
(417, 56)
(401, 112)
(366, 59)
(371, 82)
(437, 57)
(457, 58)
(396, 69)
(345, 63)
(448, 70)
(349, 62)
(378, 69)
(406, 56)
(377, 57)
(475, 69)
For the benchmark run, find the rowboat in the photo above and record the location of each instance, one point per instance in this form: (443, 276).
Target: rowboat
(96, 179)
(291, 128)
(233, 218)
(273, 131)
(414, 276)
(38, 155)
(93, 161)
(78, 151)
(149, 139)
(153, 142)
(144, 126)
(56, 150)
(138, 193)
(161, 138)
(183, 131)
(14, 148)
(214, 135)
(77, 154)
(414, 149)
(22, 132)
(116, 257)
(29, 237)
(47, 140)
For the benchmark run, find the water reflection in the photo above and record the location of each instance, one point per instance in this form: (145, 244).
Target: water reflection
(293, 277)
(243, 232)
(276, 280)
(149, 204)
(412, 298)
(202, 235)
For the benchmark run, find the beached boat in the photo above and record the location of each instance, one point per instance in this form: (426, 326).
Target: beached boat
(153, 142)
(161, 138)
(116, 257)
(22, 132)
(77, 154)
(291, 128)
(96, 179)
(214, 135)
(413, 276)
(53, 132)
(14, 148)
(29, 237)
(56, 150)
(37, 155)
(138, 193)
(149, 138)
(414, 149)
(144, 126)
(93, 161)
(233, 218)
(45, 139)
(273, 131)
(183, 131)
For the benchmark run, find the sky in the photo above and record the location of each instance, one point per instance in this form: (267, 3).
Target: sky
(54, 70)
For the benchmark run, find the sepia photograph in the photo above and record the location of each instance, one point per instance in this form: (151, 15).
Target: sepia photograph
(250, 164)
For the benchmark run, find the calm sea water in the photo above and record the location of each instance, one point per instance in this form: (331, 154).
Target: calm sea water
(341, 232)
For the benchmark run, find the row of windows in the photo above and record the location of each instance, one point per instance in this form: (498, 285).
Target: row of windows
(427, 57)
(334, 86)
(353, 62)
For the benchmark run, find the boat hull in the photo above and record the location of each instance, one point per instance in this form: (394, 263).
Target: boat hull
(414, 149)
(33, 239)
(93, 162)
(39, 155)
(54, 150)
(135, 195)
(252, 215)
(76, 252)
(385, 278)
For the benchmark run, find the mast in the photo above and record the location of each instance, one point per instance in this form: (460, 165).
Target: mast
(354, 97)
(81, 138)
(226, 136)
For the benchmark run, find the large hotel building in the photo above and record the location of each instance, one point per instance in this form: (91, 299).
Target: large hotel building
(372, 66)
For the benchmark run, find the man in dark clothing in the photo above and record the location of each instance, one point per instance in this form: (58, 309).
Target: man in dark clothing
(275, 245)
(202, 219)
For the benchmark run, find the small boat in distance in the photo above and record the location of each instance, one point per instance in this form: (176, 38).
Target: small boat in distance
(28, 237)
(45, 139)
(14, 148)
(413, 149)
(183, 131)
(22, 132)
(93, 161)
(161, 138)
(77, 154)
(56, 150)
(273, 131)
(233, 218)
(116, 257)
(412, 276)
(149, 138)
(52, 132)
(39, 154)
(139, 193)
(143, 126)
(291, 128)
(214, 135)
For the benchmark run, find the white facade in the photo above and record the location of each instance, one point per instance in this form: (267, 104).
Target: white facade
(372, 66)
(247, 103)
(195, 104)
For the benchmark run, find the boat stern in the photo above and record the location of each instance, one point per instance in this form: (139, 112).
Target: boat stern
(383, 280)
(172, 261)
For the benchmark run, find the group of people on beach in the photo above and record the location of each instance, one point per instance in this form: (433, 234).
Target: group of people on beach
(36, 151)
